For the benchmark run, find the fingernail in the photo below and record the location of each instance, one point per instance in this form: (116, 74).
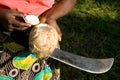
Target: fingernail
(59, 38)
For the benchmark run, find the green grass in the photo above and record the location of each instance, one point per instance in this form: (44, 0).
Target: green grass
(92, 29)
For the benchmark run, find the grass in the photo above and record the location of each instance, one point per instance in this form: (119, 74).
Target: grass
(92, 29)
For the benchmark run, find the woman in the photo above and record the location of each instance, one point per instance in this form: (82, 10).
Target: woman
(12, 13)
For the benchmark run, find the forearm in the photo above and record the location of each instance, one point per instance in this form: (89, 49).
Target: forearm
(61, 8)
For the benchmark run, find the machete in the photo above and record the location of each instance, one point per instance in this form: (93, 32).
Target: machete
(90, 65)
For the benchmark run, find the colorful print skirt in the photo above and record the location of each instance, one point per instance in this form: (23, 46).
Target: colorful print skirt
(19, 64)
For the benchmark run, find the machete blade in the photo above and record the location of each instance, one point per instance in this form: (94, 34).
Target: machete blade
(91, 65)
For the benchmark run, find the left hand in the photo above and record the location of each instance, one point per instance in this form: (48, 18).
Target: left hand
(44, 18)
(59, 9)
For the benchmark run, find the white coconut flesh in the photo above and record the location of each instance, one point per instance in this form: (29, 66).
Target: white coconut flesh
(43, 39)
(32, 19)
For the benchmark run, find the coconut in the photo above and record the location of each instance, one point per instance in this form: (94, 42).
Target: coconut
(32, 19)
(43, 39)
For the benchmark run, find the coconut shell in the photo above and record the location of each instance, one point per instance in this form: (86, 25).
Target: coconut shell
(43, 39)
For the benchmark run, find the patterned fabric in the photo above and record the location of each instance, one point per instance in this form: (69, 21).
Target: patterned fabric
(23, 65)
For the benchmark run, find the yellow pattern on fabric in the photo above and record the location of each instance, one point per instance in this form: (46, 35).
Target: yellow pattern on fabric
(47, 73)
(47, 76)
(24, 60)
(58, 70)
(13, 47)
(24, 63)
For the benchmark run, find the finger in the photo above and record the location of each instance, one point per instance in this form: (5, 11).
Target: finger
(18, 14)
(17, 23)
(20, 25)
(54, 25)
(42, 20)
(10, 28)
(21, 29)
(59, 32)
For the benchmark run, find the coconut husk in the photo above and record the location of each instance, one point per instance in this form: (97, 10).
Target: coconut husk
(43, 39)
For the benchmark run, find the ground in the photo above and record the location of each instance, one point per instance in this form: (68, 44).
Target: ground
(92, 29)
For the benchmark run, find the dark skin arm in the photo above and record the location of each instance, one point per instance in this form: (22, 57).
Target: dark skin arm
(61, 8)
(13, 20)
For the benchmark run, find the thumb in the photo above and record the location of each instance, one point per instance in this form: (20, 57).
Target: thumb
(59, 32)
(42, 20)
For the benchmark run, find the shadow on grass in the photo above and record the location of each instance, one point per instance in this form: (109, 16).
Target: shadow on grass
(90, 36)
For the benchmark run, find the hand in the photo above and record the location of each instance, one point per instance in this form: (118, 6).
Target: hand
(13, 20)
(59, 9)
(52, 22)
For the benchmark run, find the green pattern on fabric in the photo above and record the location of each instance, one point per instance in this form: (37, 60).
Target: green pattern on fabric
(24, 60)
(5, 78)
(46, 74)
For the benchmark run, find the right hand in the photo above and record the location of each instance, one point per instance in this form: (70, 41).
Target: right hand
(13, 20)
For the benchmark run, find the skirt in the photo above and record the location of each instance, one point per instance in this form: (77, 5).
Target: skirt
(18, 63)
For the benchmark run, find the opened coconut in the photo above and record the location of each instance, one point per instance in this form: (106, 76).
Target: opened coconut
(43, 39)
